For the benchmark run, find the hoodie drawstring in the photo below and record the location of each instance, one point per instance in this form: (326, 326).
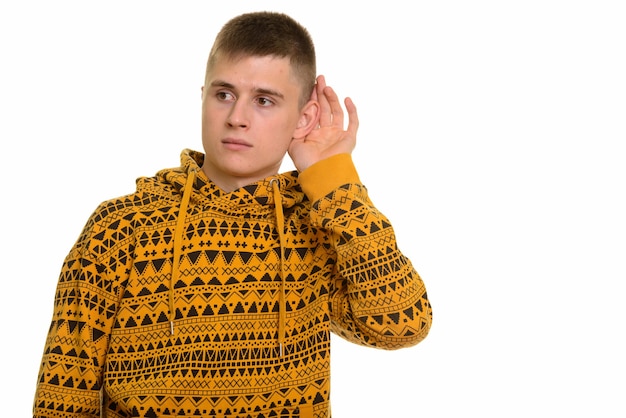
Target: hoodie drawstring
(178, 241)
(280, 225)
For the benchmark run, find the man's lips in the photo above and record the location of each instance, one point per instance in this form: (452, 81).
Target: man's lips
(235, 144)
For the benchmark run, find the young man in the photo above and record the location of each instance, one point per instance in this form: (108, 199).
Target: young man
(212, 290)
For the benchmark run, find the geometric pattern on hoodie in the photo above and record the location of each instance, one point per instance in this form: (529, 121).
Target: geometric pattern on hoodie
(337, 267)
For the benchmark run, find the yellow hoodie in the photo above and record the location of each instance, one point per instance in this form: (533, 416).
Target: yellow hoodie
(225, 311)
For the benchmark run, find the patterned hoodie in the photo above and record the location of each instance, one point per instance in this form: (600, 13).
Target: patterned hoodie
(225, 310)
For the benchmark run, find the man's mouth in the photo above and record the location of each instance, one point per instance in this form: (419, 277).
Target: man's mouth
(235, 143)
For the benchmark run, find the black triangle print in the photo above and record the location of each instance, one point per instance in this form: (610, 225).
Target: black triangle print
(193, 256)
(140, 266)
(228, 256)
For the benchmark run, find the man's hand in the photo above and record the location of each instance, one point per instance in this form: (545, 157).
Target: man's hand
(329, 137)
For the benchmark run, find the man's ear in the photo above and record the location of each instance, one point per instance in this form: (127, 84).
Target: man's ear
(309, 118)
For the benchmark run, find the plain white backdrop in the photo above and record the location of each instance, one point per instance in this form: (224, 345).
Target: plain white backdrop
(492, 134)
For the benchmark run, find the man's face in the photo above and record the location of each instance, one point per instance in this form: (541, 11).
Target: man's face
(249, 115)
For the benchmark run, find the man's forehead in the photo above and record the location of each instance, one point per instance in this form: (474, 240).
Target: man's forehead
(248, 70)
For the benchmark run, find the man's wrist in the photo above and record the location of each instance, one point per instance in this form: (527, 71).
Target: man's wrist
(325, 176)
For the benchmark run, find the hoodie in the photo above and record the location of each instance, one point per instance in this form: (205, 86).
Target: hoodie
(183, 300)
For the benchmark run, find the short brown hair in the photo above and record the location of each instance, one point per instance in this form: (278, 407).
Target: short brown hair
(268, 34)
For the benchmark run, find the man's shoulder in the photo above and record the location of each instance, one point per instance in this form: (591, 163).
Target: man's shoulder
(128, 209)
(116, 221)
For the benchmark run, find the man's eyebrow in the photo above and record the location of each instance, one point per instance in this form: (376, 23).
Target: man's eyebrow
(259, 90)
(269, 92)
(220, 83)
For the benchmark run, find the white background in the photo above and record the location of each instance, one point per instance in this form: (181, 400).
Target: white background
(492, 134)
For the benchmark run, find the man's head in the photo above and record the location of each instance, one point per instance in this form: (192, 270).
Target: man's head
(256, 98)
(268, 34)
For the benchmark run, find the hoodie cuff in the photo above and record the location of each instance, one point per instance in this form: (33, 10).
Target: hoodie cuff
(327, 175)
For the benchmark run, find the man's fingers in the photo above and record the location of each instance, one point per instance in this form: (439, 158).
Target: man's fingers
(353, 117)
(335, 108)
(314, 94)
(326, 114)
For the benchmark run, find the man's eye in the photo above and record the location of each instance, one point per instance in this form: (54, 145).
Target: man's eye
(224, 95)
(264, 101)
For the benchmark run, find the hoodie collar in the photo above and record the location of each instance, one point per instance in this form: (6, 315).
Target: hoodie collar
(171, 183)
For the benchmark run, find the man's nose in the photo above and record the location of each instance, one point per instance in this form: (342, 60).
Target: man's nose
(238, 116)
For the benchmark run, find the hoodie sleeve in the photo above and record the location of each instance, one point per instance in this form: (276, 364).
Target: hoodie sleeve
(85, 303)
(377, 297)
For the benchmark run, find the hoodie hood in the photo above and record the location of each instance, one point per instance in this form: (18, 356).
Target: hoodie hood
(188, 187)
(170, 184)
